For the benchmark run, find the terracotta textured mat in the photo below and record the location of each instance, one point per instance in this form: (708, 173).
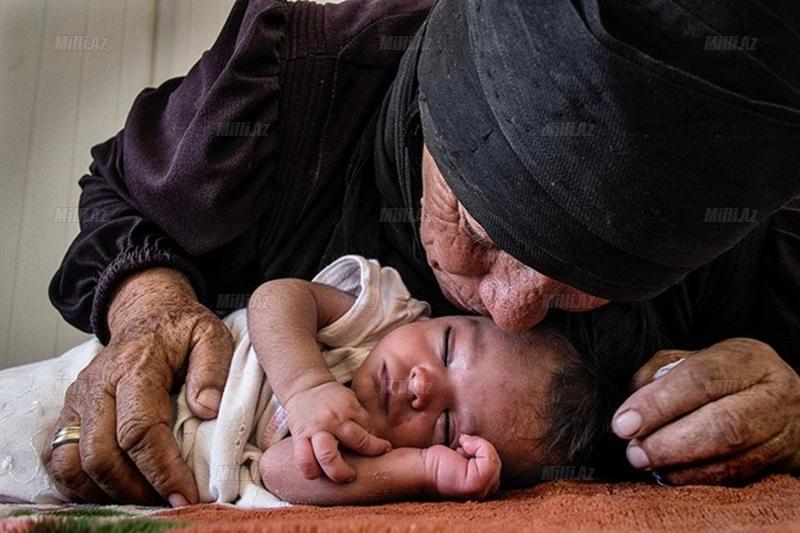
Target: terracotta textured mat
(772, 504)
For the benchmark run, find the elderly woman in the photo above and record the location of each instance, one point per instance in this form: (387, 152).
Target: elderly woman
(520, 156)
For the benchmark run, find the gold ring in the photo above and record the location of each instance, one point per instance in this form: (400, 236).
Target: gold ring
(66, 435)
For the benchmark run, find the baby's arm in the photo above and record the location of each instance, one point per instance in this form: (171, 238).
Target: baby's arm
(283, 318)
(471, 472)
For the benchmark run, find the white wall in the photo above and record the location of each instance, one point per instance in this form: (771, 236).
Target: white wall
(55, 105)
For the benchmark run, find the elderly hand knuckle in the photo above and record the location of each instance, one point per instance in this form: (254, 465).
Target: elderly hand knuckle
(160, 479)
(132, 434)
(97, 465)
(65, 468)
(661, 403)
(732, 429)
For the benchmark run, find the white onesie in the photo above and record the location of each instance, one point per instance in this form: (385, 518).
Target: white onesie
(222, 452)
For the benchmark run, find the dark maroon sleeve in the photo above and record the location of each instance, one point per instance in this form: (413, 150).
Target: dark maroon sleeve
(115, 241)
(193, 158)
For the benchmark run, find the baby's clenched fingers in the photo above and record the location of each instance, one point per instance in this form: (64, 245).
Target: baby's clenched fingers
(358, 439)
(326, 450)
(304, 458)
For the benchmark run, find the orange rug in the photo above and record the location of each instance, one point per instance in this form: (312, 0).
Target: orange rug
(772, 504)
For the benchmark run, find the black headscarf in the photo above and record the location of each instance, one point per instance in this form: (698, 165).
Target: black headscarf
(382, 209)
(596, 141)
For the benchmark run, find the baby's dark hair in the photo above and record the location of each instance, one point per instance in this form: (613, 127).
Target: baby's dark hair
(581, 402)
(588, 384)
(600, 351)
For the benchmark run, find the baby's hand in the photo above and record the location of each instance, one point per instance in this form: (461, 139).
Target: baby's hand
(472, 472)
(322, 417)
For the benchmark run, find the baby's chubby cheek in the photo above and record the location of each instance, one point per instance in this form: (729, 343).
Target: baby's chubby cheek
(410, 433)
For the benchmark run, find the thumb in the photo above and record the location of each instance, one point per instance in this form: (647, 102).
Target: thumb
(210, 354)
(645, 374)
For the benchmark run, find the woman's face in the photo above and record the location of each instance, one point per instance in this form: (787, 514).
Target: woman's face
(477, 276)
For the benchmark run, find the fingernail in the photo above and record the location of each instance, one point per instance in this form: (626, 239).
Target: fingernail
(637, 458)
(627, 424)
(177, 500)
(209, 398)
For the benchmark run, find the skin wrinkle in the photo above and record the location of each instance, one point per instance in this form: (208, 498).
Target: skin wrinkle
(477, 276)
(733, 428)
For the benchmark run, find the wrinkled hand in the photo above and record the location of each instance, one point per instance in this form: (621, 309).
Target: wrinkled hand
(724, 415)
(322, 417)
(121, 400)
(471, 472)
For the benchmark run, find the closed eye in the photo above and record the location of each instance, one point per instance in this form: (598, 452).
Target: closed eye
(446, 346)
(446, 362)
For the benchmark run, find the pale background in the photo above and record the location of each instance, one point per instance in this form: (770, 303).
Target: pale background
(56, 105)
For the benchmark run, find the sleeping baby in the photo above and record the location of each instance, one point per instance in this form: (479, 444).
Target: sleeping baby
(343, 390)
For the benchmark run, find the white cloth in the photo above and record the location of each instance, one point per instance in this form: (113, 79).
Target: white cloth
(222, 452)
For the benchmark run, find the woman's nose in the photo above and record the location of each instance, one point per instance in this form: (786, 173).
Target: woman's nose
(515, 303)
(420, 385)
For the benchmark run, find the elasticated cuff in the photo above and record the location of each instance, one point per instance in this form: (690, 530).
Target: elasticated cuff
(127, 263)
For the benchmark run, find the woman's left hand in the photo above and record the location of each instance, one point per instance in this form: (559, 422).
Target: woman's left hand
(725, 414)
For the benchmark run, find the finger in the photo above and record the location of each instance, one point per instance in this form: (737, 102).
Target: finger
(210, 354)
(485, 464)
(731, 470)
(64, 465)
(689, 386)
(645, 374)
(727, 426)
(72, 482)
(470, 444)
(326, 450)
(357, 439)
(102, 458)
(143, 432)
(362, 417)
(304, 458)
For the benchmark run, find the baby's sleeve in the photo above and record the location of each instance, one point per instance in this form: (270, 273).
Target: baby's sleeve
(382, 302)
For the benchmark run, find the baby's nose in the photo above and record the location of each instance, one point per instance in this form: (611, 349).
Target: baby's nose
(419, 387)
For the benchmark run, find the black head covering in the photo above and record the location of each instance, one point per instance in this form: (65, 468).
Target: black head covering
(591, 139)
(381, 212)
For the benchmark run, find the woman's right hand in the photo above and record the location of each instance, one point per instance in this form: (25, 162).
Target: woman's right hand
(121, 400)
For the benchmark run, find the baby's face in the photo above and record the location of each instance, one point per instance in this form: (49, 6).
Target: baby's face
(427, 382)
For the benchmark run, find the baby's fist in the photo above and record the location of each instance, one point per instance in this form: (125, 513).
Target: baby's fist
(470, 473)
(322, 417)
